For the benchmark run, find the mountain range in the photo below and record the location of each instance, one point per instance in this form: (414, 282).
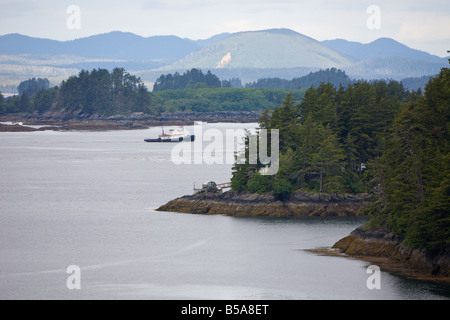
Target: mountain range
(248, 55)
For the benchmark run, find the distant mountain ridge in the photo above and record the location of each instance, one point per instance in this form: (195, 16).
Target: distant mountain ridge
(112, 45)
(380, 48)
(249, 55)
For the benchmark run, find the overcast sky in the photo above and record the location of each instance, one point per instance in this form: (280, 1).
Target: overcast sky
(420, 24)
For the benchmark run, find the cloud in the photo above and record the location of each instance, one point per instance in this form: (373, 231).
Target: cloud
(234, 26)
(16, 8)
(431, 26)
(177, 5)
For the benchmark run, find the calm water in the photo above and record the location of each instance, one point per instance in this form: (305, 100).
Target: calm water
(88, 199)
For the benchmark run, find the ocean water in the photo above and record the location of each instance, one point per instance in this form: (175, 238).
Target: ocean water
(88, 199)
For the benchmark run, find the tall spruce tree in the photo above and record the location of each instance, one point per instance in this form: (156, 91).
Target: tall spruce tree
(414, 172)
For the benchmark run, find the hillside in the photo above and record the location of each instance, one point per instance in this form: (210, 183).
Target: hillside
(386, 58)
(396, 68)
(276, 48)
(380, 48)
(114, 45)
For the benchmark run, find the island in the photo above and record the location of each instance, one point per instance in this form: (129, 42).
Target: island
(246, 204)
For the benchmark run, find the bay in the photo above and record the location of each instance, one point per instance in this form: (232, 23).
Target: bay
(88, 199)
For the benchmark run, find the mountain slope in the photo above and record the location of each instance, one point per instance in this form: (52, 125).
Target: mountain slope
(113, 45)
(14, 43)
(206, 42)
(396, 68)
(276, 48)
(380, 48)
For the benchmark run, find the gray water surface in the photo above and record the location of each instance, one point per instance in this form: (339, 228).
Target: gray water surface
(89, 198)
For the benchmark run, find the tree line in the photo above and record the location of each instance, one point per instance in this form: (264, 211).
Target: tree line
(90, 92)
(332, 75)
(191, 78)
(221, 99)
(118, 92)
(108, 93)
(327, 140)
(375, 138)
(411, 179)
(195, 78)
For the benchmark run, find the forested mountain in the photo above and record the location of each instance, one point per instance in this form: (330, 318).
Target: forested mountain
(380, 48)
(276, 48)
(333, 76)
(396, 68)
(416, 83)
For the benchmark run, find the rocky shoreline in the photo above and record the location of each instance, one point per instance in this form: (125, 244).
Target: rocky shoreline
(77, 122)
(381, 247)
(377, 246)
(300, 204)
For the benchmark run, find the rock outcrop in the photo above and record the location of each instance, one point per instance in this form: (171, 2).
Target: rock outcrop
(380, 245)
(300, 204)
(72, 121)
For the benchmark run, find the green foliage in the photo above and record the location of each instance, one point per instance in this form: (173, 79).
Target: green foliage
(328, 161)
(313, 79)
(413, 174)
(327, 139)
(368, 137)
(33, 86)
(91, 92)
(2, 104)
(44, 99)
(282, 188)
(220, 99)
(260, 184)
(118, 92)
(102, 92)
(13, 105)
(193, 78)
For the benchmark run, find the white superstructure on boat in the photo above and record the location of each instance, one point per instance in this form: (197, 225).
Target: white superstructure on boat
(174, 135)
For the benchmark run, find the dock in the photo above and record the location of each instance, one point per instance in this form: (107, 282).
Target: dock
(214, 186)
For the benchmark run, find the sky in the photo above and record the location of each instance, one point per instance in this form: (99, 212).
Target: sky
(420, 24)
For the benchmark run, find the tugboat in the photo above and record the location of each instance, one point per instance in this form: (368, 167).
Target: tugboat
(174, 135)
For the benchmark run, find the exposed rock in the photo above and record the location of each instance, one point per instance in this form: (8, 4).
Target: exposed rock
(382, 246)
(16, 128)
(63, 120)
(255, 205)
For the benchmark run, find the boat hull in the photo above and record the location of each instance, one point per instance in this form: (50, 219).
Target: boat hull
(189, 138)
